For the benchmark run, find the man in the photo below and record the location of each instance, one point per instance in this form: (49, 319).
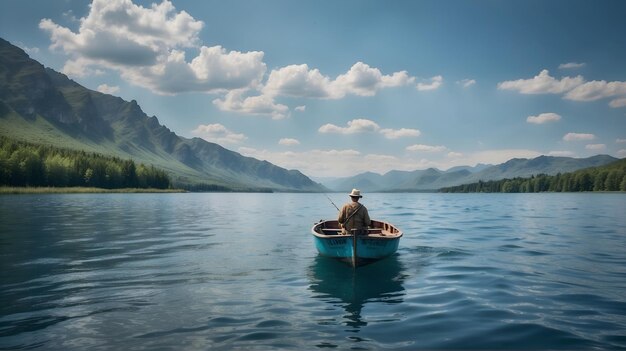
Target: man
(354, 215)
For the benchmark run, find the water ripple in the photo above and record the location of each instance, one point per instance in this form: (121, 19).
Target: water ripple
(239, 271)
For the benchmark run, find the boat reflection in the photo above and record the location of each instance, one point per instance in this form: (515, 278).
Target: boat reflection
(379, 282)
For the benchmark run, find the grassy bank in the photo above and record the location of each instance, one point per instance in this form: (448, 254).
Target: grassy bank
(80, 190)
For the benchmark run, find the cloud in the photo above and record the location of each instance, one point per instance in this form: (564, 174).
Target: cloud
(618, 103)
(336, 163)
(619, 140)
(400, 133)
(596, 90)
(348, 162)
(360, 80)
(104, 88)
(288, 142)
(574, 88)
(466, 83)
(217, 133)
(425, 148)
(364, 80)
(578, 136)
(543, 118)
(498, 156)
(300, 108)
(354, 126)
(214, 70)
(595, 147)
(561, 153)
(234, 101)
(571, 65)
(542, 83)
(433, 84)
(144, 45)
(621, 153)
(29, 50)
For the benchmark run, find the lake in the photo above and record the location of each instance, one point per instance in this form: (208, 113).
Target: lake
(218, 271)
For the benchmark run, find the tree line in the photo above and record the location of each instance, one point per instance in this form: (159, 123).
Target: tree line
(26, 164)
(611, 177)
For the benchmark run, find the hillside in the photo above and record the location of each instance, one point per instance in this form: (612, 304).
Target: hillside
(40, 105)
(610, 177)
(432, 179)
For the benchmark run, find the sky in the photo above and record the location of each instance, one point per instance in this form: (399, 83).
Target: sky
(337, 88)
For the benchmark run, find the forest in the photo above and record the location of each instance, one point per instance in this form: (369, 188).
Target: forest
(611, 177)
(24, 164)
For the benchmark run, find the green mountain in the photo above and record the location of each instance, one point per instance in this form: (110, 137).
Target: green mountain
(40, 105)
(432, 179)
(610, 177)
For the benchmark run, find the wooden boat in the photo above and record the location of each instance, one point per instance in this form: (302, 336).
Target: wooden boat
(382, 240)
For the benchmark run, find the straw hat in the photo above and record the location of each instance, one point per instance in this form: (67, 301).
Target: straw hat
(355, 193)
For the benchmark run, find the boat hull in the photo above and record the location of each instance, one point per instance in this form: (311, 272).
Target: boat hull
(382, 240)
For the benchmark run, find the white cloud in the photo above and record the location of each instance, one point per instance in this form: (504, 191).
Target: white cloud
(300, 108)
(561, 153)
(598, 89)
(619, 140)
(354, 126)
(217, 133)
(143, 44)
(595, 147)
(29, 50)
(543, 118)
(425, 148)
(571, 65)
(213, 70)
(621, 153)
(432, 84)
(466, 83)
(106, 89)
(364, 80)
(578, 136)
(234, 101)
(498, 156)
(348, 162)
(337, 163)
(400, 133)
(298, 81)
(618, 103)
(288, 142)
(542, 83)
(301, 81)
(574, 88)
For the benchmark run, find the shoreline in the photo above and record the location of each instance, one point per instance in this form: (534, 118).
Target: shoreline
(4, 190)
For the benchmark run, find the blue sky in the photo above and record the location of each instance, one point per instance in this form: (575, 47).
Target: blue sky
(336, 88)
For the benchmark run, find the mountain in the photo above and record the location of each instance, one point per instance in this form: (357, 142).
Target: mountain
(432, 179)
(609, 177)
(40, 105)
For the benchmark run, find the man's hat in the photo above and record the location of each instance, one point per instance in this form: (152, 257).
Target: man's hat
(355, 193)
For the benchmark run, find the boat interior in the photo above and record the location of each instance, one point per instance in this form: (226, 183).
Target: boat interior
(376, 229)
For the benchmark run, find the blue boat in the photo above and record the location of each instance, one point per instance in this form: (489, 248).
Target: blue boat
(381, 240)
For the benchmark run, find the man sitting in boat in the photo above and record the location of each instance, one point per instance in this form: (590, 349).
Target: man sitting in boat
(354, 215)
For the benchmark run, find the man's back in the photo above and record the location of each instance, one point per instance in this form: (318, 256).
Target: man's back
(355, 216)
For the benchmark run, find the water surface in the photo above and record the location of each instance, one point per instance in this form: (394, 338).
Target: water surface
(223, 271)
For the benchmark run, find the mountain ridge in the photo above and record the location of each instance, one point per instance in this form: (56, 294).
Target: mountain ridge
(431, 179)
(38, 104)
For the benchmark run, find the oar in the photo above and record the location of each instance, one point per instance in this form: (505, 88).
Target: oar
(354, 256)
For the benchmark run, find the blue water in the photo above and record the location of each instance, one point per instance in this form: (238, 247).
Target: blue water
(224, 271)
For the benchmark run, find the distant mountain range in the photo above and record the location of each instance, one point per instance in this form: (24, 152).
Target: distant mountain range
(433, 179)
(40, 105)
